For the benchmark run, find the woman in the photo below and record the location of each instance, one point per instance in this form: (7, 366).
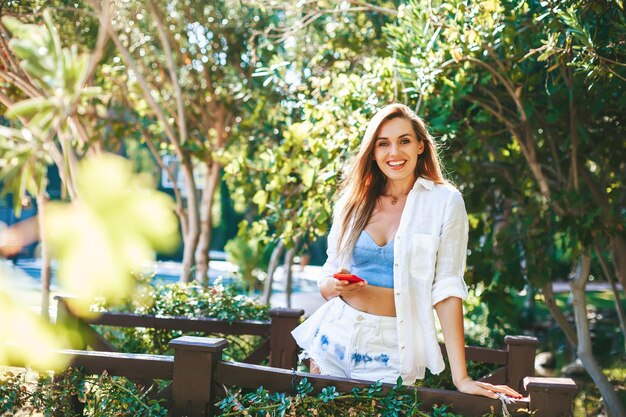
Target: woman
(403, 229)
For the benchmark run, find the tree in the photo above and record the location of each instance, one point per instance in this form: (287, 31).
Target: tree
(190, 82)
(330, 86)
(551, 77)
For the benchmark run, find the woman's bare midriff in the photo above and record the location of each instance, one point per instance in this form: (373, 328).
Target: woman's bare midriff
(373, 300)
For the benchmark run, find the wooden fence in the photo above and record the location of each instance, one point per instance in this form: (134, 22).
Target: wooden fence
(197, 369)
(278, 343)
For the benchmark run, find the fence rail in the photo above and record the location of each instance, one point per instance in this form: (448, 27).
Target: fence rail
(198, 373)
(197, 368)
(279, 345)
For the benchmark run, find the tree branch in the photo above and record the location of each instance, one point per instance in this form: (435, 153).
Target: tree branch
(180, 209)
(506, 83)
(17, 69)
(26, 87)
(486, 106)
(182, 124)
(555, 156)
(524, 136)
(146, 91)
(79, 130)
(7, 57)
(618, 300)
(374, 8)
(104, 21)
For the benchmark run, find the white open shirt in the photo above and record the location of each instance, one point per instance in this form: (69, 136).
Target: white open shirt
(429, 261)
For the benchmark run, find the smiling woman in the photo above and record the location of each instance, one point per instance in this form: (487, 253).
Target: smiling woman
(396, 152)
(403, 229)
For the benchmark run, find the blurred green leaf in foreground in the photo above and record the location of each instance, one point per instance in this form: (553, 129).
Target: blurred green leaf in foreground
(98, 241)
(111, 231)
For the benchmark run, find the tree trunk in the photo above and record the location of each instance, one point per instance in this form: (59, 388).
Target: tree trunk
(618, 253)
(291, 253)
(193, 229)
(210, 185)
(211, 182)
(584, 351)
(618, 300)
(271, 268)
(558, 315)
(45, 256)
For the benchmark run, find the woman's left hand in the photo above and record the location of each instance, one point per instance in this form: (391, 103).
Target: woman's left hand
(469, 386)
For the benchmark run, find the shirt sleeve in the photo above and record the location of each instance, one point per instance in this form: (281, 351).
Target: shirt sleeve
(452, 253)
(332, 261)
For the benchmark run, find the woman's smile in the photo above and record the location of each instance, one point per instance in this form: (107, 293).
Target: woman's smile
(397, 164)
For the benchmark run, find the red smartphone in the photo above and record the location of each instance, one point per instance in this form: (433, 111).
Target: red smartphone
(348, 277)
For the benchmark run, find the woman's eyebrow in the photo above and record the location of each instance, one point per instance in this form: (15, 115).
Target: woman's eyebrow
(399, 137)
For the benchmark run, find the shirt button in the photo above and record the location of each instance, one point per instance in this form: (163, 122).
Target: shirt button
(395, 265)
(401, 321)
(402, 347)
(397, 292)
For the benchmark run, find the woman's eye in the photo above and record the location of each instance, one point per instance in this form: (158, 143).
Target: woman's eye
(382, 143)
(405, 141)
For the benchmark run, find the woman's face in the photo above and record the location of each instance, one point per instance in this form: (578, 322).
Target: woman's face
(396, 150)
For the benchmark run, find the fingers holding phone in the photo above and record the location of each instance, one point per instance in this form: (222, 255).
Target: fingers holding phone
(347, 284)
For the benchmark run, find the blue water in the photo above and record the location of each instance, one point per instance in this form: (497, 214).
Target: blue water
(169, 272)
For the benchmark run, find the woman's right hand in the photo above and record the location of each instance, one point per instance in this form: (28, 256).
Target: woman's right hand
(332, 287)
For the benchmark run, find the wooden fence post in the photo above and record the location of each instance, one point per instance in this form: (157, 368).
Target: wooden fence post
(521, 360)
(551, 397)
(195, 362)
(283, 348)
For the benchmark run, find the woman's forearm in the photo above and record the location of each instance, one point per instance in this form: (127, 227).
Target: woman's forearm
(450, 313)
(327, 288)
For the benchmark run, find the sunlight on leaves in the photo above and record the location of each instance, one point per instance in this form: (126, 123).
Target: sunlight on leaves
(26, 337)
(110, 232)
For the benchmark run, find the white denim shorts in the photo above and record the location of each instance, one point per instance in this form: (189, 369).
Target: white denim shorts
(349, 343)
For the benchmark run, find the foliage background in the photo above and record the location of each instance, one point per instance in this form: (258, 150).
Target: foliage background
(266, 102)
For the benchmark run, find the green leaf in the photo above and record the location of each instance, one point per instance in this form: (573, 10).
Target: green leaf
(260, 199)
(28, 108)
(308, 176)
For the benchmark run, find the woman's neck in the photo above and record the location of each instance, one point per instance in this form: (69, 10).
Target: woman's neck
(396, 189)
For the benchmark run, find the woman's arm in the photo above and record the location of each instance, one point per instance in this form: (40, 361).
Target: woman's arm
(448, 292)
(450, 313)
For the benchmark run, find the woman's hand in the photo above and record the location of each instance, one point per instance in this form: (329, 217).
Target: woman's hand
(469, 386)
(332, 287)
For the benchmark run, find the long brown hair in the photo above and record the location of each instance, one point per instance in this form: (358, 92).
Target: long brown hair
(365, 182)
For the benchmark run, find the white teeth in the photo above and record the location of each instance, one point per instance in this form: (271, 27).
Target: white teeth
(396, 163)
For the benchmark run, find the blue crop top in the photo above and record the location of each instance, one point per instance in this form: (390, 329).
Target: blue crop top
(371, 262)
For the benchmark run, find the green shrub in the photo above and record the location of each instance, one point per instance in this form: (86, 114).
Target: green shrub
(106, 396)
(247, 253)
(183, 300)
(365, 402)
(55, 395)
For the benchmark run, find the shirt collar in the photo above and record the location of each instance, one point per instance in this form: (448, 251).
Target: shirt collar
(424, 182)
